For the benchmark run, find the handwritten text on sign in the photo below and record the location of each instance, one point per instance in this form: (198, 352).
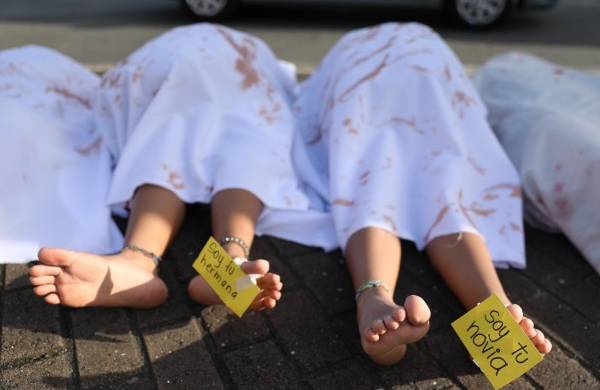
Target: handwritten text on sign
(235, 288)
(496, 342)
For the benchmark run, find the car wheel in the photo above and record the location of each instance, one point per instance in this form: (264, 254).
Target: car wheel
(478, 13)
(211, 9)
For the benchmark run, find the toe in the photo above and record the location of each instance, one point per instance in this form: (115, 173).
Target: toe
(56, 257)
(44, 289)
(399, 314)
(417, 311)
(52, 299)
(44, 270)
(390, 323)
(255, 267)
(371, 336)
(516, 312)
(378, 326)
(527, 326)
(40, 280)
(539, 339)
(269, 303)
(271, 281)
(275, 294)
(546, 348)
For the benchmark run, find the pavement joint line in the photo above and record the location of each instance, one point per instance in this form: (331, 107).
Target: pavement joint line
(279, 342)
(139, 338)
(67, 329)
(213, 351)
(161, 324)
(331, 368)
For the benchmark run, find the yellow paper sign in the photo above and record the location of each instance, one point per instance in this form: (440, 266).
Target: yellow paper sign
(235, 288)
(496, 342)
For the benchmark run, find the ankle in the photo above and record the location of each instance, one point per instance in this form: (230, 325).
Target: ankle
(372, 294)
(234, 250)
(137, 258)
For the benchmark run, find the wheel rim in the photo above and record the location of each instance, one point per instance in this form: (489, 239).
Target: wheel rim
(206, 7)
(480, 12)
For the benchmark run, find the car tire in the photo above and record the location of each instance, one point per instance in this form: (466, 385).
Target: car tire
(478, 14)
(211, 10)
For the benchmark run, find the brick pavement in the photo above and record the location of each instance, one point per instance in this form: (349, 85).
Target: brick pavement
(309, 341)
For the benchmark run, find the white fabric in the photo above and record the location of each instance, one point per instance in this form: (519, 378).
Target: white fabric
(55, 172)
(548, 120)
(388, 132)
(392, 118)
(406, 148)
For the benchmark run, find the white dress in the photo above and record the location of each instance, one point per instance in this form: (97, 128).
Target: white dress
(548, 120)
(387, 132)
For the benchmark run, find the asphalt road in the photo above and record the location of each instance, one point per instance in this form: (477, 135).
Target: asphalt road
(100, 32)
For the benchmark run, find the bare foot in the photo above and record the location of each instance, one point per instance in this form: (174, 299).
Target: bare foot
(385, 328)
(77, 279)
(537, 337)
(269, 283)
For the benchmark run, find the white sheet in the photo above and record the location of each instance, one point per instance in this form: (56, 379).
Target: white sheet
(548, 120)
(388, 132)
(55, 171)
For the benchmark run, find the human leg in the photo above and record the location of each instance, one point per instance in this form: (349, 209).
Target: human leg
(127, 278)
(234, 214)
(385, 327)
(465, 264)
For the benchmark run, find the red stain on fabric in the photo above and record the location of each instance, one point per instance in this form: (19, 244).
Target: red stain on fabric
(70, 96)
(447, 73)
(245, 68)
(465, 210)
(410, 53)
(438, 219)
(515, 190)
(267, 115)
(343, 202)
(476, 166)
(460, 98)
(388, 45)
(367, 77)
(348, 125)
(91, 148)
(480, 211)
(173, 177)
(111, 80)
(364, 178)
(419, 68)
(410, 123)
(564, 209)
(516, 227)
(489, 197)
(391, 222)
(137, 74)
(559, 187)
(243, 64)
